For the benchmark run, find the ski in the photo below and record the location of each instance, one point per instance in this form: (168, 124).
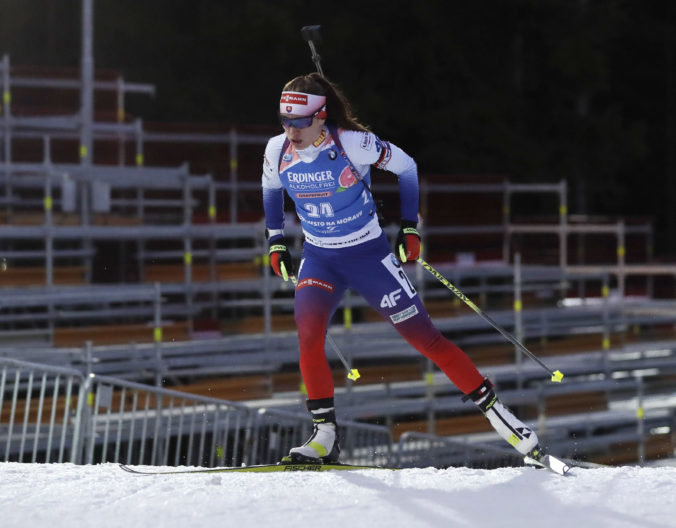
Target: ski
(549, 462)
(262, 468)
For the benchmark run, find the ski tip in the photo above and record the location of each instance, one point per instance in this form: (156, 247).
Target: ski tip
(129, 469)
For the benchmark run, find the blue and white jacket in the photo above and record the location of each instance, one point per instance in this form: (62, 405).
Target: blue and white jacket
(335, 209)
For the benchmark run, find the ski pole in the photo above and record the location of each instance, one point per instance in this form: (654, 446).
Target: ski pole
(311, 35)
(556, 375)
(352, 374)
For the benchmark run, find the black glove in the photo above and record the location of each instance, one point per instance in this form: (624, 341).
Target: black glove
(407, 246)
(280, 258)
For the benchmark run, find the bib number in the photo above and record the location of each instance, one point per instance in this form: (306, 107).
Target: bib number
(394, 267)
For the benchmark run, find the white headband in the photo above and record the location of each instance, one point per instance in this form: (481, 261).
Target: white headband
(299, 103)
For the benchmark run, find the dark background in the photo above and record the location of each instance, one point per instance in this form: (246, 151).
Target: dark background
(539, 90)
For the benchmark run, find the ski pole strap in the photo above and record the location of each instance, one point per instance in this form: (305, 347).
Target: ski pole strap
(277, 248)
(280, 260)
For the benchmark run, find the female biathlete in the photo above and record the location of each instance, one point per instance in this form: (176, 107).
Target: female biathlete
(322, 161)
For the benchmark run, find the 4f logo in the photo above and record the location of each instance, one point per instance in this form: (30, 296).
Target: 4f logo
(389, 300)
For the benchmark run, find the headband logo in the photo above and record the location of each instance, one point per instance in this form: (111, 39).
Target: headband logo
(294, 98)
(301, 103)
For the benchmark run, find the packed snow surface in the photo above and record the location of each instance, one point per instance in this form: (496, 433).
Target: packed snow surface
(66, 495)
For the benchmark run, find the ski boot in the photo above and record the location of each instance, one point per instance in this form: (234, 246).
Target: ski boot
(508, 426)
(513, 430)
(322, 446)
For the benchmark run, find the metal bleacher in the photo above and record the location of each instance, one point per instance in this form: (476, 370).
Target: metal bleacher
(129, 279)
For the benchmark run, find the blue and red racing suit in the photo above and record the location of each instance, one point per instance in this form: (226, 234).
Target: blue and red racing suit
(346, 248)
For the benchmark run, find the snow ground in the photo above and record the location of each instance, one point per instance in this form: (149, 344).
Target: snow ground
(66, 495)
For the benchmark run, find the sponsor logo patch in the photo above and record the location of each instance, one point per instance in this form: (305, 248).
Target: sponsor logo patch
(524, 431)
(314, 195)
(404, 314)
(294, 98)
(366, 140)
(317, 283)
(390, 300)
(302, 467)
(320, 139)
(385, 155)
(310, 177)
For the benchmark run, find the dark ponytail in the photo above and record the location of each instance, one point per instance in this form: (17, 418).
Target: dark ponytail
(338, 108)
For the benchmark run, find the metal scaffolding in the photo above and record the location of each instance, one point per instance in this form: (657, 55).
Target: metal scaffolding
(158, 205)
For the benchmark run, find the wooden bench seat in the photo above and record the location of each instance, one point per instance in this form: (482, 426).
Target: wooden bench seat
(231, 388)
(36, 276)
(564, 404)
(48, 404)
(656, 447)
(255, 324)
(263, 386)
(446, 307)
(118, 334)
(25, 218)
(387, 373)
(491, 354)
(581, 402)
(456, 425)
(32, 218)
(201, 272)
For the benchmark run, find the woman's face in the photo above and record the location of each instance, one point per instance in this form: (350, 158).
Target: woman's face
(302, 138)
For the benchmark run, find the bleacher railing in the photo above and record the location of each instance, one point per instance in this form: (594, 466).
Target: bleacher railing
(52, 414)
